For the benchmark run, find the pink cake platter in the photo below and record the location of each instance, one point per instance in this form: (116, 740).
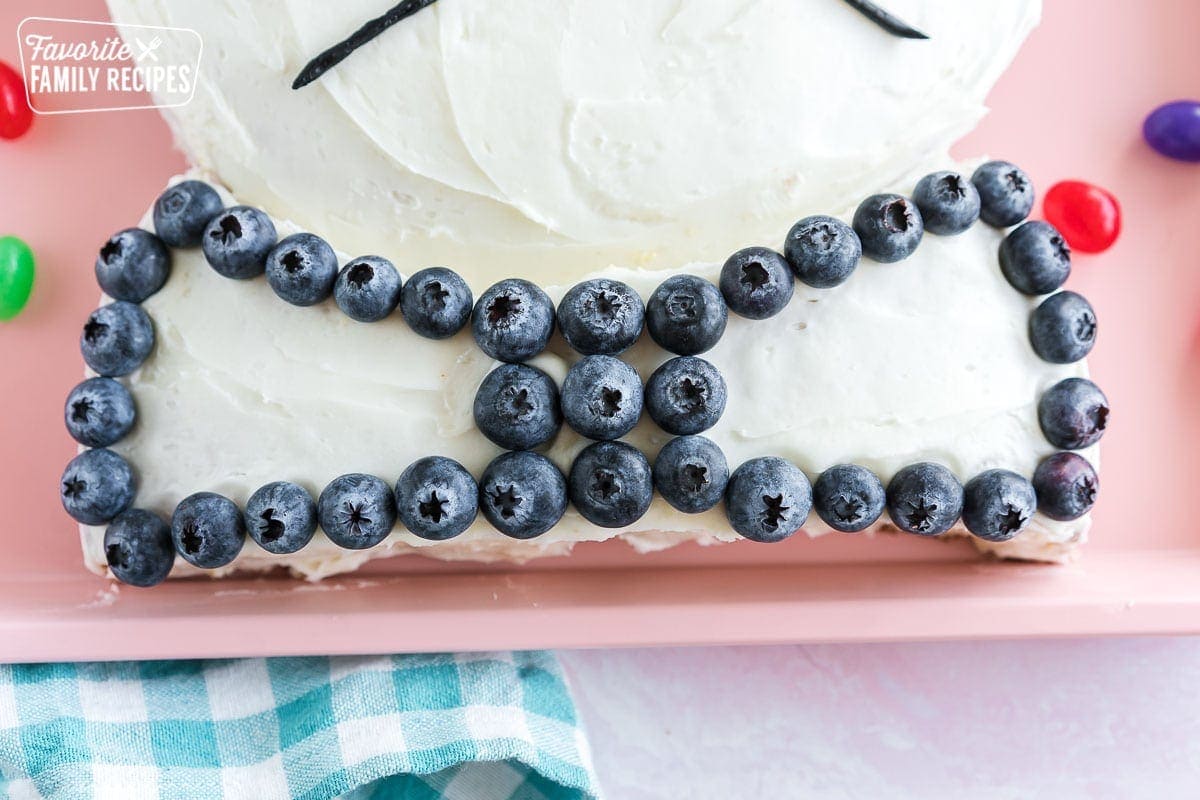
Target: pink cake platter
(1070, 107)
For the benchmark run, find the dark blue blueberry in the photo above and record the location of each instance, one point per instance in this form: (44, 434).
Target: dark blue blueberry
(138, 548)
(997, 505)
(96, 486)
(823, 251)
(889, 226)
(132, 265)
(1035, 258)
(367, 289)
(757, 282)
(436, 303)
(357, 511)
(281, 517)
(1005, 193)
(208, 530)
(849, 498)
(602, 397)
(685, 395)
(117, 338)
(436, 498)
(1073, 414)
(302, 268)
(767, 499)
(601, 317)
(691, 473)
(522, 494)
(513, 320)
(686, 315)
(1062, 329)
(1066, 486)
(610, 484)
(183, 211)
(99, 412)
(925, 499)
(516, 406)
(237, 241)
(949, 203)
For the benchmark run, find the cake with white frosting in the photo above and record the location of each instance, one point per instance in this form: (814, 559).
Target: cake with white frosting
(630, 140)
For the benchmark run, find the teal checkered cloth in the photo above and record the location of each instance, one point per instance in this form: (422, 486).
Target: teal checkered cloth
(493, 726)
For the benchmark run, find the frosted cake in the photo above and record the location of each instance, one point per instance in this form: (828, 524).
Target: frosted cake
(470, 293)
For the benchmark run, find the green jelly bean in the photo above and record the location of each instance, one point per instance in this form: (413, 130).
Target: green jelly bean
(16, 276)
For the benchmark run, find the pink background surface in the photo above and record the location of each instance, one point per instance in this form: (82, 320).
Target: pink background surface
(1071, 106)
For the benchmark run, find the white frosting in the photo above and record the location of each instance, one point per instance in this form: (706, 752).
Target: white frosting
(549, 139)
(927, 359)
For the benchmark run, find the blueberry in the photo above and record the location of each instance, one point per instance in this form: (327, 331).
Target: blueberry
(138, 548)
(132, 265)
(949, 203)
(822, 251)
(889, 226)
(357, 511)
(601, 317)
(516, 406)
(997, 505)
(1035, 258)
(367, 289)
(182, 212)
(302, 268)
(99, 412)
(117, 338)
(1062, 329)
(757, 282)
(1066, 486)
(767, 499)
(281, 517)
(522, 494)
(602, 397)
(436, 498)
(610, 484)
(849, 498)
(436, 303)
(512, 321)
(1005, 193)
(208, 530)
(686, 315)
(96, 486)
(685, 395)
(237, 241)
(691, 473)
(1073, 413)
(925, 499)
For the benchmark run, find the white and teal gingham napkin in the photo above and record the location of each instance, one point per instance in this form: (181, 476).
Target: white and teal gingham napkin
(482, 726)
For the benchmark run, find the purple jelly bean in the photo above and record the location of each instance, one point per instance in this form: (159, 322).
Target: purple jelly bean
(1174, 130)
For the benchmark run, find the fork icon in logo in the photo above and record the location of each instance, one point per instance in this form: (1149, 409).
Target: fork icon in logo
(147, 50)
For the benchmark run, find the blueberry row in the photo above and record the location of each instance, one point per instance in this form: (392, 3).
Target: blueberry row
(611, 484)
(513, 320)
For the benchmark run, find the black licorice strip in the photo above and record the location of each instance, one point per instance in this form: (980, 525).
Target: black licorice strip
(330, 58)
(890, 23)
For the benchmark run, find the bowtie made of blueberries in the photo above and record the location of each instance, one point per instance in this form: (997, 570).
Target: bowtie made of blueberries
(520, 408)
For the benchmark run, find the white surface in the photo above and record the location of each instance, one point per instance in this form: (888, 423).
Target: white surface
(925, 360)
(1096, 719)
(550, 139)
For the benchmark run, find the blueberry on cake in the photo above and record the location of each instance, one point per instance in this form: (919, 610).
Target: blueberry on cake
(484, 280)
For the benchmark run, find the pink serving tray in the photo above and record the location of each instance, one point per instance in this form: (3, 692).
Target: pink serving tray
(1070, 107)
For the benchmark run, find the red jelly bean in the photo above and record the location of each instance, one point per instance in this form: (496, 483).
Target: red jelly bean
(1087, 216)
(15, 114)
